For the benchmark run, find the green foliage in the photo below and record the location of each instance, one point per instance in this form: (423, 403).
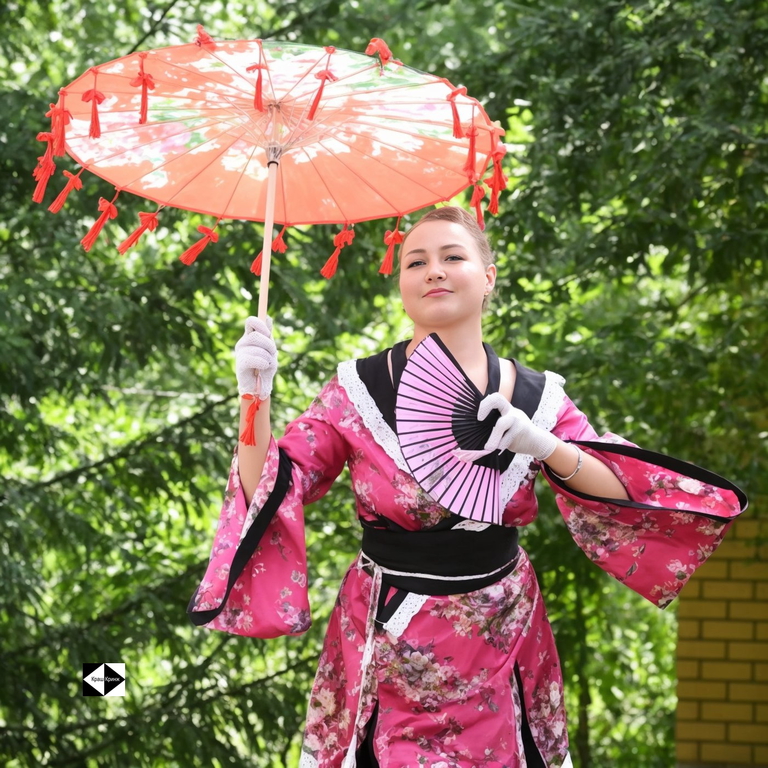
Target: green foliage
(631, 258)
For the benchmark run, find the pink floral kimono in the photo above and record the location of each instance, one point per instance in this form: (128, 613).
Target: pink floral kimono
(448, 678)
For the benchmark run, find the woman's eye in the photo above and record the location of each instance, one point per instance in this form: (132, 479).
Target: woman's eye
(416, 263)
(456, 257)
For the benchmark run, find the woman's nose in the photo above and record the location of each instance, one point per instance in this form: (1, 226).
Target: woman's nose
(435, 272)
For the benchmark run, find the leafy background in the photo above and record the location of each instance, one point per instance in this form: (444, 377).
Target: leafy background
(631, 252)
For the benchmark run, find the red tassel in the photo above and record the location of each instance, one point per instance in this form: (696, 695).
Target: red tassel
(60, 117)
(341, 240)
(204, 40)
(498, 181)
(323, 76)
(108, 212)
(391, 239)
(46, 167)
(330, 266)
(209, 236)
(378, 47)
(470, 165)
(147, 83)
(248, 435)
(74, 182)
(278, 246)
(42, 173)
(493, 203)
(458, 131)
(258, 97)
(148, 222)
(95, 97)
(477, 197)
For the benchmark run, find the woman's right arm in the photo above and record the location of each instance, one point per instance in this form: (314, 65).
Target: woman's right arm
(252, 457)
(255, 366)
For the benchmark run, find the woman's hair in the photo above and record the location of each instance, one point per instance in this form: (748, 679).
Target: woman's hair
(457, 215)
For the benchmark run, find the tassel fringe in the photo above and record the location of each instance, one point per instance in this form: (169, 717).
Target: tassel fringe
(258, 96)
(323, 76)
(341, 240)
(108, 211)
(95, 97)
(209, 236)
(278, 246)
(377, 47)
(470, 166)
(458, 131)
(391, 239)
(204, 40)
(46, 167)
(476, 202)
(148, 222)
(147, 83)
(248, 435)
(60, 117)
(73, 182)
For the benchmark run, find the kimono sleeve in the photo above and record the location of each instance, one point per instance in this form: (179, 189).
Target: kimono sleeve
(675, 518)
(256, 580)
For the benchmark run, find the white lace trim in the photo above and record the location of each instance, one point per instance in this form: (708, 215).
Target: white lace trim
(369, 412)
(545, 417)
(401, 618)
(307, 761)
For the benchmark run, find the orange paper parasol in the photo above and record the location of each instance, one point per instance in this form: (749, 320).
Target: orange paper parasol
(272, 132)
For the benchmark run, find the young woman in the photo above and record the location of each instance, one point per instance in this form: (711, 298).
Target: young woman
(438, 651)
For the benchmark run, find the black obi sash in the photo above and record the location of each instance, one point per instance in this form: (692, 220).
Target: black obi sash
(444, 553)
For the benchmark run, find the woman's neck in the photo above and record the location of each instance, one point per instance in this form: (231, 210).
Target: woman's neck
(466, 345)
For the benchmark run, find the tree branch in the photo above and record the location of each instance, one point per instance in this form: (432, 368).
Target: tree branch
(153, 28)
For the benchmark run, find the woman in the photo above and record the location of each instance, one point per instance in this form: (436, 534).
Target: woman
(438, 651)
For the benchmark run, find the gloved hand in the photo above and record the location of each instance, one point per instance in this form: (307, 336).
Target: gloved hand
(514, 431)
(256, 359)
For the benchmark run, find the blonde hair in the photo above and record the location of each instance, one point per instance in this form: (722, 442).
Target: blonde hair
(457, 215)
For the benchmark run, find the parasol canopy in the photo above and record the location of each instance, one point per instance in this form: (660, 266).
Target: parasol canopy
(272, 132)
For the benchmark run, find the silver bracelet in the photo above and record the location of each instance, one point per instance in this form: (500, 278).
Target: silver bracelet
(575, 471)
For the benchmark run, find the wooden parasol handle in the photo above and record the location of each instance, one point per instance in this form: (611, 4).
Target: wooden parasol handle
(269, 221)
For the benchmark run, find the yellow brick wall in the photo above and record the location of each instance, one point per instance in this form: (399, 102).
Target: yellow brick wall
(722, 655)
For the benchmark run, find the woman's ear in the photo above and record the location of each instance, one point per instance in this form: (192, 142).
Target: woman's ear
(490, 277)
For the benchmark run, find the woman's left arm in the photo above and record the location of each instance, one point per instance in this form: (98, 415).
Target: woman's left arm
(584, 473)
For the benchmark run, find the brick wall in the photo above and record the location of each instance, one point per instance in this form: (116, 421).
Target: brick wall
(722, 655)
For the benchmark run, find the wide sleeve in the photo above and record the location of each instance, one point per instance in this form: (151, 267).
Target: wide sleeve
(256, 580)
(675, 518)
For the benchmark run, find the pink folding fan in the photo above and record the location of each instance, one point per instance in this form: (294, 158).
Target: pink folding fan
(436, 420)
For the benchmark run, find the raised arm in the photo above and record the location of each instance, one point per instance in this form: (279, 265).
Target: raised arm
(255, 365)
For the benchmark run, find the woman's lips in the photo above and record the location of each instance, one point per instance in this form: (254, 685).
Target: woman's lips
(437, 292)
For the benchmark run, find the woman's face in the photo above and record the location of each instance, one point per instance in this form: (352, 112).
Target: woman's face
(443, 280)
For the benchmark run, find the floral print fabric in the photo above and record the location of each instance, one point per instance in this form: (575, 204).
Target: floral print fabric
(450, 688)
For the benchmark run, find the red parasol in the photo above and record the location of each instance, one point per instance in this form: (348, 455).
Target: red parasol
(272, 132)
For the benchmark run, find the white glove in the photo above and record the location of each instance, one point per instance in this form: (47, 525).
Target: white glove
(256, 359)
(514, 431)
